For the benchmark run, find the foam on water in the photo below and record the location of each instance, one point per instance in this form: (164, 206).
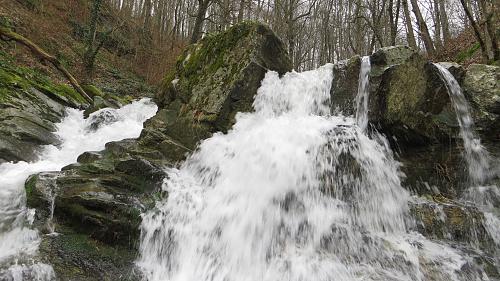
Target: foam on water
(77, 135)
(290, 193)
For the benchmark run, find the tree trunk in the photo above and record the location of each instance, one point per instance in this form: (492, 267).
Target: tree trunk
(90, 48)
(437, 25)
(200, 18)
(490, 27)
(422, 27)
(476, 29)
(444, 22)
(410, 37)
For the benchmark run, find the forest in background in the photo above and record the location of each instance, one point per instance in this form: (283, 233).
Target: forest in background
(146, 36)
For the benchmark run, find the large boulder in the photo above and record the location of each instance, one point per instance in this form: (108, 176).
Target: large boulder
(482, 87)
(408, 99)
(100, 198)
(214, 79)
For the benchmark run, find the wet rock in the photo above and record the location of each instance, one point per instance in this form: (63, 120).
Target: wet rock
(434, 170)
(89, 156)
(408, 100)
(214, 79)
(411, 102)
(445, 219)
(345, 85)
(482, 87)
(99, 103)
(103, 117)
(455, 69)
(30, 105)
(76, 256)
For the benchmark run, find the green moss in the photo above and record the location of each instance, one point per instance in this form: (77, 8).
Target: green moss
(92, 90)
(15, 78)
(29, 186)
(467, 53)
(207, 56)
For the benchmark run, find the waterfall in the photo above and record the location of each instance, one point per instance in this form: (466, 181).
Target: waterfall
(363, 93)
(290, 193)
(476, 156)
(17, 239)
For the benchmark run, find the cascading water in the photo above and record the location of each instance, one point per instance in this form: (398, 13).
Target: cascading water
(476, 156)
(363, 93)
(290, 193)
(17, 240)
(479, 163)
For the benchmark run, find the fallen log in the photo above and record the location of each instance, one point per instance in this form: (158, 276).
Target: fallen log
(8, 34)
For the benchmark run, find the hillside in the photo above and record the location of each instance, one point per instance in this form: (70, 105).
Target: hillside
(127, 64)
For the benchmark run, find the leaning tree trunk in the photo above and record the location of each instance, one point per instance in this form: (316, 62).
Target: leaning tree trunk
(477, 32)
(422, 27)
(39, 52)
(409, 28)
(200, 18)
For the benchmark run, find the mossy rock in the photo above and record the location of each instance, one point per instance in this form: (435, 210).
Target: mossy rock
(76, 256)
(407, 98)
(30, 105)
(216, 78)
(482, 87)
(438, 217)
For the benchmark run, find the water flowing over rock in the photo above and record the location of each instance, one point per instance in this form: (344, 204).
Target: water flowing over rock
(294, 193)
(100, 198)
(363, 95)
(477, 158)
(410, 102)
(30, 105)
(288, 175)
(19, 241)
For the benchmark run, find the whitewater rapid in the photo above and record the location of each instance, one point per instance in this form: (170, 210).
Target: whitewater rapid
(18, 241)
(292, 193)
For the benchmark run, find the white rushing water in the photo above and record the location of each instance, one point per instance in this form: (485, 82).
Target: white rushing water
(476, 156)
(481, 169)
(77, 135)
(363, 93)
(290, 193)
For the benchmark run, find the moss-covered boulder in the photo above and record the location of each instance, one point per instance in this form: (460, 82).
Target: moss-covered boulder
(30, 104)
(214, 79)
(482, 86)
(408, 100)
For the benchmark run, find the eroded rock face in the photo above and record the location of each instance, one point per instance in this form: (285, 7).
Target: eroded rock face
(482, 86)
(30, 105)
(345, 85)
(100, 198)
